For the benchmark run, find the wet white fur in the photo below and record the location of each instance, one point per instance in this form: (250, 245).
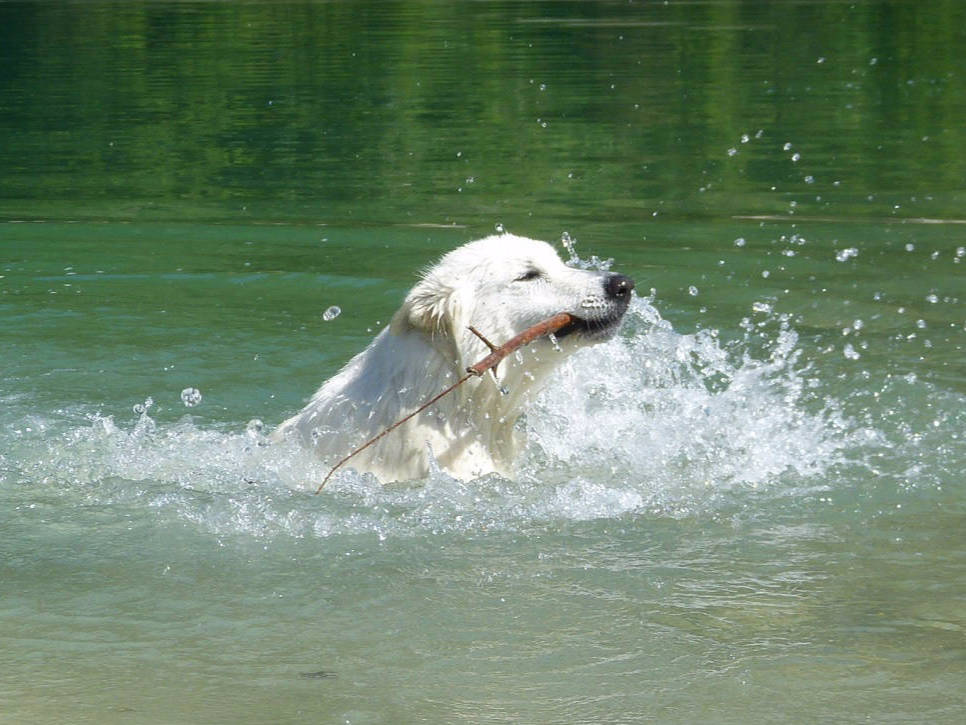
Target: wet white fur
(427, 346)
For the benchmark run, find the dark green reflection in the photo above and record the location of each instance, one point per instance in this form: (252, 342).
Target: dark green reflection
(463, 111)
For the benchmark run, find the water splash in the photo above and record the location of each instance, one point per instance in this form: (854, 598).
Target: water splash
(574, 260)
(191, 397)
(653, 421)
(667, 416)
(570, 245)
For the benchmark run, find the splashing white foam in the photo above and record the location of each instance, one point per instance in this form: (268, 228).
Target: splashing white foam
(659, 413)
(653, 421)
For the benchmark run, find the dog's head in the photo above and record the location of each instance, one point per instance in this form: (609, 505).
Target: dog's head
(502, 285)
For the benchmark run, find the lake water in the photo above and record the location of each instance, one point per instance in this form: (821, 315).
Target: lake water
(750, 507)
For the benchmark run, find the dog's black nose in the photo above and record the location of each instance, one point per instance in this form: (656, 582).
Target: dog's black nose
(618, 286)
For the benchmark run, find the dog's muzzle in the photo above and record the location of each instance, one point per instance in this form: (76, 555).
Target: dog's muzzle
(608, 310)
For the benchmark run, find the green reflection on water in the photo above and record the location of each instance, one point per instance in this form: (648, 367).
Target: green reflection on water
(442, 112)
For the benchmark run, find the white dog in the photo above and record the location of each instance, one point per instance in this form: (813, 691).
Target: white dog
(501, 285)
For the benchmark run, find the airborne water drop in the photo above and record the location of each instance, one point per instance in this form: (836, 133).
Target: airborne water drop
(190, 397)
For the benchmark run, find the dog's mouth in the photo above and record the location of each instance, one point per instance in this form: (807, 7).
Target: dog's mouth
(597, 328)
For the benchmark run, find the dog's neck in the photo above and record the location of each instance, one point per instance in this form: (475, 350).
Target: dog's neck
(482, 413)
(471, 430)
(487, 409)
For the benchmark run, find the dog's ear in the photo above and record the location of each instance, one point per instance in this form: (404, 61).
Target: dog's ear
(436, 308)
(443, 311)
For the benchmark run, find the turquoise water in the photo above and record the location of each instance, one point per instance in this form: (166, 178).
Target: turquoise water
(748, 507)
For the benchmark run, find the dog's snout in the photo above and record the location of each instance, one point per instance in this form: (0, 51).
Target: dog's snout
(618, 286)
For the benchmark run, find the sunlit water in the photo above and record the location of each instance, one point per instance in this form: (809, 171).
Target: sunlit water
(747, 507)
(692, 515)
(653, 422)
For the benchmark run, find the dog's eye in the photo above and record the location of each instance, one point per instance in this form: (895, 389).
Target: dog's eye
(530, 274)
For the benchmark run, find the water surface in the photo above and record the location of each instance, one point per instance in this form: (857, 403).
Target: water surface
(748, 507)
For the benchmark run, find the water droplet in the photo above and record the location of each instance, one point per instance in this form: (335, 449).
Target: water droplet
(570, 244)
(740, 242)
(796, 156)
(732, 151)
(255, 426)
(331, 313)
(142, 408)
(190, 397)
(693, 291)
(910, 247)
(850, 352)
(500, 229)
(932, 298)
(809, 179)
(787, 146)
(846, 254)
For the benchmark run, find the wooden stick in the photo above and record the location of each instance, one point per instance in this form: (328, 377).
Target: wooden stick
(551, 324)
(483, 338)
(546, 327)
(391, 428)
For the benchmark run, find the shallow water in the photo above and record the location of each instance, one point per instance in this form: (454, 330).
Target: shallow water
(747, 507)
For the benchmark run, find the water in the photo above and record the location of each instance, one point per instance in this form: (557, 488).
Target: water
(749, 506)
